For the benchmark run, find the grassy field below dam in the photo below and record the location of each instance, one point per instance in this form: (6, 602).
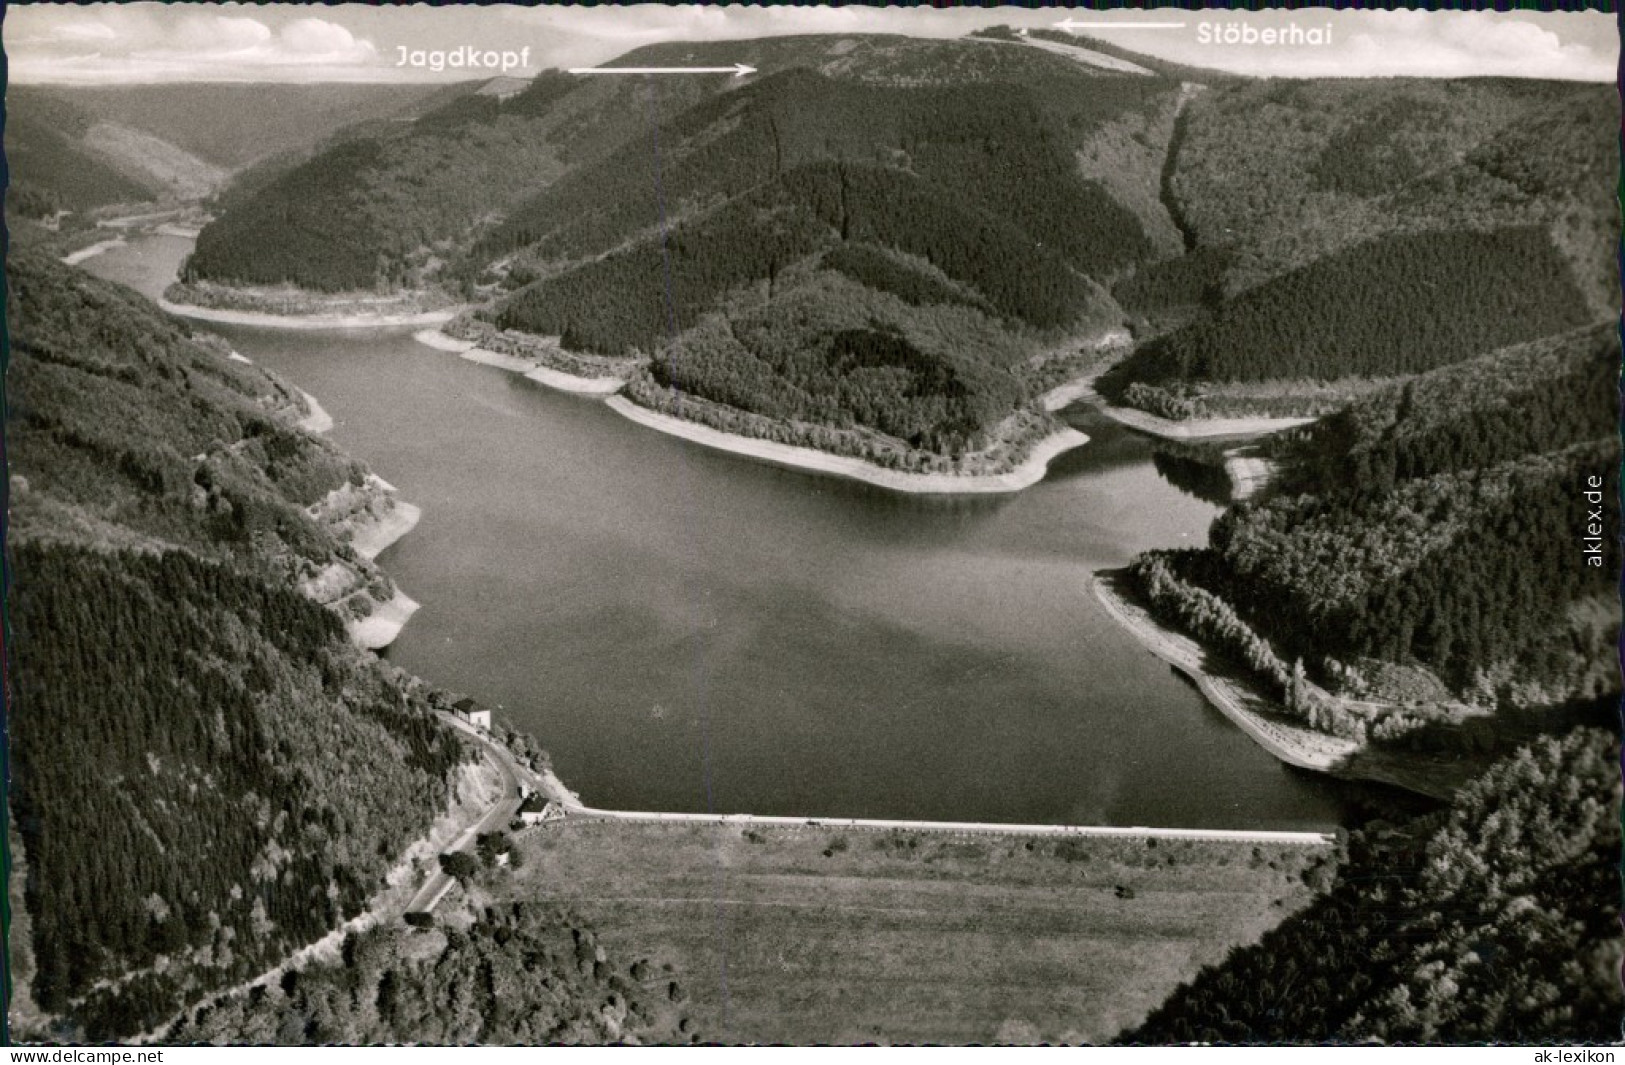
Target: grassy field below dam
(821, 935)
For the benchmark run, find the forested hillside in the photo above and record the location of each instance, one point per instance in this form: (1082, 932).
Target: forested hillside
(389, 204)
(1348, 229)
(1545, 395)
(1285, 172)
(1444, 523)
(1496, 921)
(205, 773)
(959, 140)
(76, 148)
(232, 124)
(1260, 234)
(50, 168)
(206, 776)
(945, 293)
(1398, 305)
(520, 974)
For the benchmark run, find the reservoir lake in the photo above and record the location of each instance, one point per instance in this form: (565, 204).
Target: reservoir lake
(688, 630)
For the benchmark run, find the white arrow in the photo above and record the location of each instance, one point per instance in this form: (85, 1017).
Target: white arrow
(1072, 27)
(738, 70)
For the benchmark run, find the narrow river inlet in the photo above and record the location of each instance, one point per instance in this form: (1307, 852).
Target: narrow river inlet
(690, 631)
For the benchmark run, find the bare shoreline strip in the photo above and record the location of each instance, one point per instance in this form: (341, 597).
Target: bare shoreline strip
(373, 540)
(318, 420)
(1321, 754)
(568, 382)
(380, 628)
(1198, 428)
(306, 321)
(1029, 473)
(1064, 395)
(1248, 475)
(77, 257)
(542, 375)
(434, 338)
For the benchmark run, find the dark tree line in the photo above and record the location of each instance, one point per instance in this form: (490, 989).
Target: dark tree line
(884, 271)
(202, 769)
(1465, 572)
(308, 228)
(1494, 921)
(962, 141)
(367, 212)
(1441, 522)
(521, 974)
(636, 298)
(115, 407)
(1541, 396)
(205, 770)
(1400, 304)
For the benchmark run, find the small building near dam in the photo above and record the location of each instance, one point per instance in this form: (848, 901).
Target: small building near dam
(475, 714)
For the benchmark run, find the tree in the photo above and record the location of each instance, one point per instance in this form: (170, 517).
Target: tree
(490, 845)
(460, 865)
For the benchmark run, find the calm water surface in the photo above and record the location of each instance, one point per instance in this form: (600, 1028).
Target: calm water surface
(686, 630)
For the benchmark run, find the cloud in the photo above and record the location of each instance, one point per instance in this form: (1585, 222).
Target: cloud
(136, 43)
(88, 30)
(205, 35)
(314, 37)
(1414, 44)
(1473, 46)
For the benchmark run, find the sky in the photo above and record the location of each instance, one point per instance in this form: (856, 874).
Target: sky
(153, 42)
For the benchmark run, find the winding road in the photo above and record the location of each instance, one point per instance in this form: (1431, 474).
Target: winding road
(496, 818)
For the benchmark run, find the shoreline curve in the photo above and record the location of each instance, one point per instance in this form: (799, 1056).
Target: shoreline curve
(1198, 428)
(318, 421)
(380, 628)
(1218, 691)
(74, 258)
(306, 321)
(558, 380)
(1028, 473)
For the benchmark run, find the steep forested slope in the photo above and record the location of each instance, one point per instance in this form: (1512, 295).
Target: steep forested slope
(966, 115)
(1471, 572)
(234, 124)
(520, 974)
(206, 776)
(205, 773)
(1530, 398)
(1261, 234)
(126, 428)
(881, 169)
(1331, 226)
(51, 169)
(960, 140)
(1444, 522)
(387, 205)
(1397, 305)
(76, 148)
(1496, 921)
(1285, 172)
